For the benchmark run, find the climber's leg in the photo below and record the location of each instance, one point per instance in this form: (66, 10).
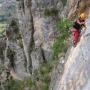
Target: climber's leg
(76, 36)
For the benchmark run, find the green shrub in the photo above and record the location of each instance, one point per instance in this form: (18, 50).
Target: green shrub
(40, 80)
(64, 2)
(51, 12)
(14, 85)
(60, 44)
(43, 76)
(14, 25)
(2, 30)
(19, 85)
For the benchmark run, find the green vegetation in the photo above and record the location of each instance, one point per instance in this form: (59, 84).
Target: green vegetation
(14, 85)
(64, 2)
(44, 76)
(61, 44)
(51, 12)
(39, 81)
(1, 68)
(2, 29)
(14, 25)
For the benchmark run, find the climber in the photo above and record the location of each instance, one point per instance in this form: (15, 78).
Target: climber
(77, 27)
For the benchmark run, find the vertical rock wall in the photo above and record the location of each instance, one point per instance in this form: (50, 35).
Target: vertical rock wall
(15, 58)
(26, 27)
(72, 9)
(76, 73)
(38, 30)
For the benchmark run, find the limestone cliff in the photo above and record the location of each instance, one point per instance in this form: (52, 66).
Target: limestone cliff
(38, 29)
(29, 38)
(73, 76)
(76, 73)
(28, 42)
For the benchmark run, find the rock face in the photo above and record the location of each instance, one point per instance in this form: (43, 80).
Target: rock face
(37, 20)
(28, 45)
(76, 73)
(71, 10)
(75, 7)
(58, 71)
(14, 52)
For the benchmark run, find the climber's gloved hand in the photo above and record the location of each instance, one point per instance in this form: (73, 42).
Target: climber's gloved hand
(85, 28)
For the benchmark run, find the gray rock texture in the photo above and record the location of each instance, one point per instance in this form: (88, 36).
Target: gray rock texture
(37, 28)
(76, 72)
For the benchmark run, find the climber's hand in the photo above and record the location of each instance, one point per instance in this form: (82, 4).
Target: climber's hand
(85, 27)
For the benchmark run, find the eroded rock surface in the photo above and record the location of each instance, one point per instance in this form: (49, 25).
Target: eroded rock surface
(76, 73)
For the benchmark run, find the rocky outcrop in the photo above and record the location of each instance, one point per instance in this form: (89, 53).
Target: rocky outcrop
(75, 7)
(37, 20)
(76, 73)
(29, 39)
(27, 29)
(76, 76)
(14, 53)
(12, 56)
(71, 10)
(58, 71)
